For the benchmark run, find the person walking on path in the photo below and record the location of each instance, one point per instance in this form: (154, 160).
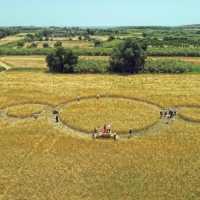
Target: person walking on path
(165, 112)
(78, 98)
(161, 113)
(115, 135)
(168, 120)
(35, 115)
(175, 111)
(56, 118)
(94, 133)
(131, 132)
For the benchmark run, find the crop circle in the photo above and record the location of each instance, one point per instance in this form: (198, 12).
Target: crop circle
(23, 111)
(190, 114)
(122, 114)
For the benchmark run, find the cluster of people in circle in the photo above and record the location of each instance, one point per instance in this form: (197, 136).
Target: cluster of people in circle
(169, 113)
(106, 132)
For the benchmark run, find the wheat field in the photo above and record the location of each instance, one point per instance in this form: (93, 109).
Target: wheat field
(38, 161)
(24, 61)
(194, 60)
(122, 114)
(8, 39)
(65, 43)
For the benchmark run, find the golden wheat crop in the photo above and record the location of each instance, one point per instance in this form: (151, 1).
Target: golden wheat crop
(65, 43)
(24, 61)
(8, 39)
(122, 114)
(37, 61)
(162, 90)
(40, 161)
(190, 114)
(24, 111)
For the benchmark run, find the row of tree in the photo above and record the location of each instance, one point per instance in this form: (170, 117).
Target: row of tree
(127, 57)
(8, 31)
(172, 42)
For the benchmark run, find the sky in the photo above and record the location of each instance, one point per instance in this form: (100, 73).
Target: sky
(99, 12)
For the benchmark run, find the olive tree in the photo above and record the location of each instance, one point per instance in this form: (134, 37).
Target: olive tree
(129, 56)
(62, 60)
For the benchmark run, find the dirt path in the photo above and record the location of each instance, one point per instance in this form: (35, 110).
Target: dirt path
(4, 65)
(48, 114)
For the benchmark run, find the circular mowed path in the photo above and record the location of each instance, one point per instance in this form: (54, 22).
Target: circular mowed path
(78, 118)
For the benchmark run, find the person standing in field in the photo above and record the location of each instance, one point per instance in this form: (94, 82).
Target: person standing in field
(171, 114)
(131, 132)
(170, 111)
(104, 128)
(35, 115)
(94, 135)
(165, 112)
(106, 95)
(56, 118)
(108, 129)
(161, 113)
(175, 111)
(168, 120)
(98, 130)
(115, 135)
(78, 97)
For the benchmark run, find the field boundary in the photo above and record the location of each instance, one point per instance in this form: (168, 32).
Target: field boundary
(4, 65)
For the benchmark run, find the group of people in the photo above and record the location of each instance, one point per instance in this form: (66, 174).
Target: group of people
(106, 130)
(36, 116)
(169, 113)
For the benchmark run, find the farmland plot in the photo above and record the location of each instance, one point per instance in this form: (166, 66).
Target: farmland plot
(39, 160)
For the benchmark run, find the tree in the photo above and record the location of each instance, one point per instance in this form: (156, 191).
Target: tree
(97, 43)
(144, 34)
(62, 60)
(33, 45)
(58, 44)
(111, 37)
(20, 43)
(79, 37)
(30, 36)
(45, 45)
(129, 56)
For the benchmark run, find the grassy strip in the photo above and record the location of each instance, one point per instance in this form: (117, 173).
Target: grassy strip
(45, 51)
(174, 51)
(11, 44)
(28, 69)
(195, 69)
(166, 66)
(91, 66)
